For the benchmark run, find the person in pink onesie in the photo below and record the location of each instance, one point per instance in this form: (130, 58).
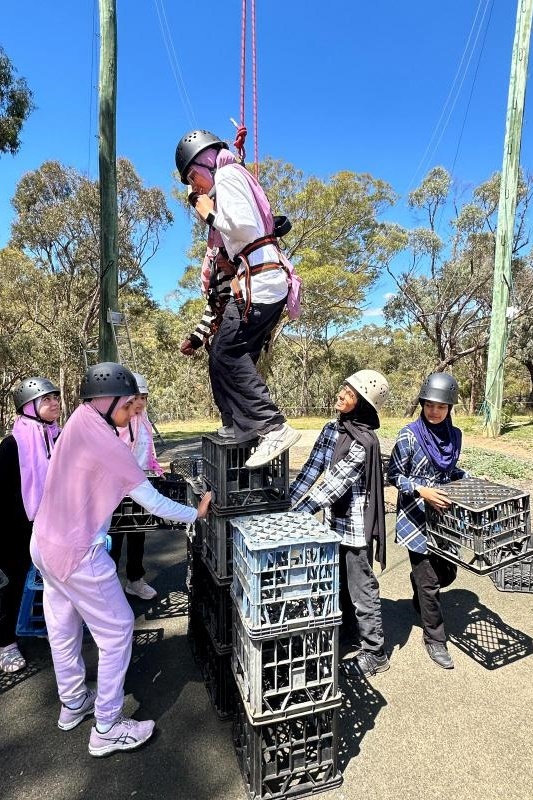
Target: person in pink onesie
(90, 471)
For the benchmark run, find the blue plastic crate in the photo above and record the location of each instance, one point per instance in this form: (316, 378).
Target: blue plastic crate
(30, 620)
(286, 675)
(285, 572)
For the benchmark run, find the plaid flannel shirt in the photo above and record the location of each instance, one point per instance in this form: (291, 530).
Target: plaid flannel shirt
(347, 474)
(409, 467)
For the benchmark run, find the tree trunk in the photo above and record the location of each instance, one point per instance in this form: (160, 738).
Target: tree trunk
(529, 366)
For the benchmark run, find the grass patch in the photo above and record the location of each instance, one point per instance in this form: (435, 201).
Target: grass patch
(494, 465)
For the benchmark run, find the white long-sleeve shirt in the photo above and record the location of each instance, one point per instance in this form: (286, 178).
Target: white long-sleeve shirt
(239, 222)
(149, 498)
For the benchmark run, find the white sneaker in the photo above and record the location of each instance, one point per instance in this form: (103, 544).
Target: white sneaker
(272, 445)
(141, 589)
(226, 432)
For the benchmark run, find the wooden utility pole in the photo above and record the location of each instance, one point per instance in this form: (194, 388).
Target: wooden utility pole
(506, 218)
(107, 160)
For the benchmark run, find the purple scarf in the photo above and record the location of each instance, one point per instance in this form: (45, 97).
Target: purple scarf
(441, 443)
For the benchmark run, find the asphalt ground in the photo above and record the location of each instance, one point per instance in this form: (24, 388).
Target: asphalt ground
(412, 733)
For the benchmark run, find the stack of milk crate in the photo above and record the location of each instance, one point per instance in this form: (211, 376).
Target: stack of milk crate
(236, 491)
(284, 656)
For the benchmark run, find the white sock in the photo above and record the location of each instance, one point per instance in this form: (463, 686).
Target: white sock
(104, 727)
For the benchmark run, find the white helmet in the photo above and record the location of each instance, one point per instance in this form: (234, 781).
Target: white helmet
(141, 383)
(371, 385)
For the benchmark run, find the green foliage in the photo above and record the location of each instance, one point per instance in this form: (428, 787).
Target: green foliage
(16, 104)
(495, 465)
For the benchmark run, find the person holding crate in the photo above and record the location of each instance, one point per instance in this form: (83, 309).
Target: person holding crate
(24, 459)
(425, 455)
(91, 470)
(347, 454)
(138, 435)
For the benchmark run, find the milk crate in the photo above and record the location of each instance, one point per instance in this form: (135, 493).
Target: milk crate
(285, 573)
(130, 516)
(215, 669)
(172, 486)
(187, 467)
(486, 527)
(293, 758)
(212, 604)
(286, 675)
(235, 486)
(30, 620)
(517, 577)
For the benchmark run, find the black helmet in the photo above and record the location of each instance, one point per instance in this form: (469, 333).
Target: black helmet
(439, 387)
(108, 380)
(191, 145)
(30, 389)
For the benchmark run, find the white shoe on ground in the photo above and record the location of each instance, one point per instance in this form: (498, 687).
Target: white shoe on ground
(273, 444)
(141, 589)
(126, 734)
(11, 659)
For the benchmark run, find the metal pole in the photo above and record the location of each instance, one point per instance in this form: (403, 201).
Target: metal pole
(107, 350)
(506, 219)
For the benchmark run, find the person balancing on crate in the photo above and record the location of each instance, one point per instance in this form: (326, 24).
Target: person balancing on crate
(425, 455)
(90, 471)
(249, 282)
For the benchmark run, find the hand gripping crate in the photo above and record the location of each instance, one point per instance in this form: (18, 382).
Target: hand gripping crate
(235, 486)
(31, 620)
(486, 527)
(286, 675)
(517, 577)
(285, 573)
(293, 758)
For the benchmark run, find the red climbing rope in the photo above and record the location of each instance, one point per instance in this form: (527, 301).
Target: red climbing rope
(241, 129)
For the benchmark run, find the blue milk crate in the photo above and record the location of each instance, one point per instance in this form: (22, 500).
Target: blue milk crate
(286, 675)
(235, 487)
(285, 573)
(31, 615)
(486, 527)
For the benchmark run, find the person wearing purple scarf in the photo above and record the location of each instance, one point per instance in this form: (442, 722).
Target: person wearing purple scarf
(24, 459)
(425, 455)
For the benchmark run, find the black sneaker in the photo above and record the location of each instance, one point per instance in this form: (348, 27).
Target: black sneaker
(438, 652)
(365, 664)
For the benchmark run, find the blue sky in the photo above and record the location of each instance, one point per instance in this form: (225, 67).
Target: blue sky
(384, 87)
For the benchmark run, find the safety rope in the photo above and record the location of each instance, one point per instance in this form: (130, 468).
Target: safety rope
(241, 128)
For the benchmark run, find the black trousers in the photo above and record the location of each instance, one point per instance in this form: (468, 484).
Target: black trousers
(360, 590)
(430, 573)
(15, 561)
(135, 552)
(239, 391)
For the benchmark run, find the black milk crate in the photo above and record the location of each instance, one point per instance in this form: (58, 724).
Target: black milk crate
(235, 486)
(517, 577)
(486, 527)
(293, 758)
(195, 531)
(187, 467)
(130, 516)
(285, 573)
(212, 603)
(173, 487)
(286, 675)
(215, 669)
